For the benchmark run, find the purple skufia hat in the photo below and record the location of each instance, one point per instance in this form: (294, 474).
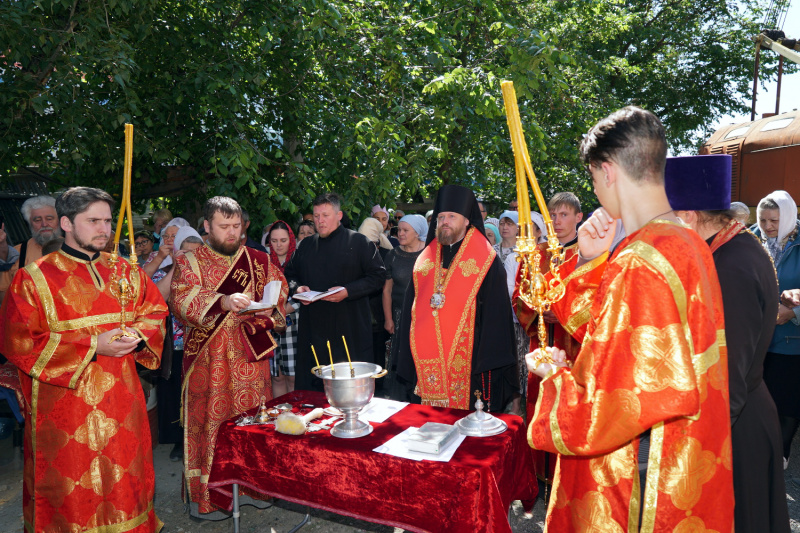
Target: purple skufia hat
(699, 182)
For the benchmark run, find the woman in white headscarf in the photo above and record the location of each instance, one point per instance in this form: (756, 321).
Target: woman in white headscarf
(778, 228)
(162, 258)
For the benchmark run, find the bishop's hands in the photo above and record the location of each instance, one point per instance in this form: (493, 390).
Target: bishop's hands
(596, 234)
(534, 361)
(120, 347)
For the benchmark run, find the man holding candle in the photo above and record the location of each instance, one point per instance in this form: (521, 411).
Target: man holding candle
(88, 455)
(641, 421)
(226, 354)
(457, 331)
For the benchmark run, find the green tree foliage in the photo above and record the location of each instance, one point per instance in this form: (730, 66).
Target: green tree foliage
(274, 101)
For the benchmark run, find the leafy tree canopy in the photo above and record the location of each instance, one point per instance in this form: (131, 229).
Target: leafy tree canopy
(274, 101)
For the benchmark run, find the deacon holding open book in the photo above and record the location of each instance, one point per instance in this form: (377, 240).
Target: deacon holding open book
(347, 266)
(231, 298)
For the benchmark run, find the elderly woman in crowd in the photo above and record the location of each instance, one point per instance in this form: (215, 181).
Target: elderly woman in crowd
(778, 228)
(411, 233)
(163, 257)
(282, 244)
(492, 231)
(305, 229)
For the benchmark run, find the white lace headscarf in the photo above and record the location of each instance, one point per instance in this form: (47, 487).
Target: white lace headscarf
(788, 220)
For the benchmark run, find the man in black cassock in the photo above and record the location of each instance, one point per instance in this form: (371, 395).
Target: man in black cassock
(334, 257)
(457, 337)
(699, 189)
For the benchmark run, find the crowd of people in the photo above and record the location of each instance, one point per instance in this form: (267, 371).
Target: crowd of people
(664, 399)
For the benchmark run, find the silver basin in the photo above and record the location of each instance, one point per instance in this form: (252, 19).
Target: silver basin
(349, 392)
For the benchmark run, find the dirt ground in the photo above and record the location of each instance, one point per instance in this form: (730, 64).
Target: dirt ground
(281, 517)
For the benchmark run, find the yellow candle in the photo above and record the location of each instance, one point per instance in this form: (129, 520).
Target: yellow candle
(521, 152)
(128, 169)
(330, 353)
(126, 176)
(347, 350)
(315, 355)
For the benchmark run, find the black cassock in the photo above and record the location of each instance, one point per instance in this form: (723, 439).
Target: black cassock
(344, 258)
(750, 298)
(494, 347)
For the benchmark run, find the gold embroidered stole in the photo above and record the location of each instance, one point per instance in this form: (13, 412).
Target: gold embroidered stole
(442, 339)
(240, 277)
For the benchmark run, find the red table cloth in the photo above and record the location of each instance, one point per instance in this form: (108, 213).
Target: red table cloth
(472, 492)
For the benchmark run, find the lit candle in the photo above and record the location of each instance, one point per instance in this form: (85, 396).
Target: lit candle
(347, 350)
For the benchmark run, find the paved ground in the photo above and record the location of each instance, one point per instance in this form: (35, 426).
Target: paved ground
(282, 516)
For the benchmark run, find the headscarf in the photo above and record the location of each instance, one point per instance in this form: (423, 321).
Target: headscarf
(273, 257)
(493, 221)
(787, 223)
(178, 223)
(418, 223)
(372, 229)
(185, 231)
(491, 227)
(538, 219)
(377, 208)
(456, 199)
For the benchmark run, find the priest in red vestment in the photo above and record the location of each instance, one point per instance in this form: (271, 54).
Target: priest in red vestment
(226, 354)
(458, 334)
(641, 422)
(88, 458)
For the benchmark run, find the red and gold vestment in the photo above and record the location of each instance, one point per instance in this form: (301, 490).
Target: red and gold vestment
(226, 356)
(442, 339)
(653, 358)
(88, 458)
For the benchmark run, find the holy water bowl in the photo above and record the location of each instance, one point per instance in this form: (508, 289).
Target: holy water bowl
(349, 392)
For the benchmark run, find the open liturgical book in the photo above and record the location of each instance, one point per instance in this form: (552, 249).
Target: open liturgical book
(269, 300)
(313, 296)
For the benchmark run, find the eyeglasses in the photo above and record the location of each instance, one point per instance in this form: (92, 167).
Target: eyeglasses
(142, 242)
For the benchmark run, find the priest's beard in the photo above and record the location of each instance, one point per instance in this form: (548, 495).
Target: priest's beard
(222, 247)
(97, 244)
(451, 236)
(44, 235)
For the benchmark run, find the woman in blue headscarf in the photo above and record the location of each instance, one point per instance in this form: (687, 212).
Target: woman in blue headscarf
(411, 233)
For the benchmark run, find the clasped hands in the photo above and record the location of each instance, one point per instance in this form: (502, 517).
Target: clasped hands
(534, 361)
(789, 300)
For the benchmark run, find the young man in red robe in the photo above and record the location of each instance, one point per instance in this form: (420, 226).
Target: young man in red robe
(641, 421)
(226, 354)
(88, 458)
